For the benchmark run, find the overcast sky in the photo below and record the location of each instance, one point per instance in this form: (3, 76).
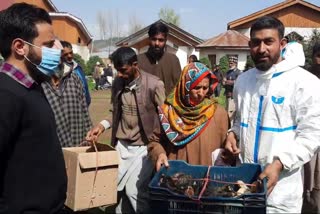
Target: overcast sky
(202, 18)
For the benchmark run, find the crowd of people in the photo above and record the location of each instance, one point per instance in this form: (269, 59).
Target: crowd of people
(160, 112)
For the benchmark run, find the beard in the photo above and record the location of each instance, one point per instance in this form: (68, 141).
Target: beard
(264, 65)
(155, 53)
(37, 75)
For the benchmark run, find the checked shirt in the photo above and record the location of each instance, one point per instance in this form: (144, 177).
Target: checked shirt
(70, 109)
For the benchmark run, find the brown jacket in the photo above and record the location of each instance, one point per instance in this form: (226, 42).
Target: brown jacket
(198, 151)
(168, 69)
(146, 103)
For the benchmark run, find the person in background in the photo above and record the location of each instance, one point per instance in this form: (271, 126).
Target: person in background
(311, 199)
(315, 67)
(32, 170)
(277, 120)
(218, 73)
(135, 95)
(96, 75)
(193, 123)
(66, 97)
(157, 60)
(193, 58)
(228, 83)
(71, 65)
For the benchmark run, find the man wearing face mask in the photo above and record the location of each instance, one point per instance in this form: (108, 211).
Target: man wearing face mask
(157, 61)
(66, 96)
(32, 170)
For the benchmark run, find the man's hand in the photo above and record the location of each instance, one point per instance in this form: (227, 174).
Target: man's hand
(162, 160)
(272, 172)
(94, 133)
(231, 144)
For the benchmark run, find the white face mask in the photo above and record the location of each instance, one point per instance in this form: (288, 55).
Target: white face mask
(50, 60)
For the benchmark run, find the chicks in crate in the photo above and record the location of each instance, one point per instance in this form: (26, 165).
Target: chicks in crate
(187, 185)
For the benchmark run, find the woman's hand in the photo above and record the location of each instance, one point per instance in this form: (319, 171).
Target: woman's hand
(162, 160)
(94, 133)
(231, 144)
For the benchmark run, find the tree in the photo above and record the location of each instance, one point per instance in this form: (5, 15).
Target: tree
(308, 46)
(81, 62)
(169, 15)
(205, 61)
(91, 63)
(249, 64)
(134, 24)
(224, 64)
(102, 22)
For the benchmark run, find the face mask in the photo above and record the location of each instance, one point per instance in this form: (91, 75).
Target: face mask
(50, 60)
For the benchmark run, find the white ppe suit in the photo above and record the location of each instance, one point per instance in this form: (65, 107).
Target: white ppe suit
(278, 116)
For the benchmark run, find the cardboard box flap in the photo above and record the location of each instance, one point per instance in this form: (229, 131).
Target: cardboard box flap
(107, 156)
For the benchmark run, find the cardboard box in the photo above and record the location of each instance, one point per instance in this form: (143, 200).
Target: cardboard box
(88, 187)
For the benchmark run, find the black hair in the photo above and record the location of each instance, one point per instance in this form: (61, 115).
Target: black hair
(267, 22)
(315, 49)
(123, 56)
(194, 58)
(157, 28)
(66, 44)
(19, 21)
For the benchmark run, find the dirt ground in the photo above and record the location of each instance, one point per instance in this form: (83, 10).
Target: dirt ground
(99, 109)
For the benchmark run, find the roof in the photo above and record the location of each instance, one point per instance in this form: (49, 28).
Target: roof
(75, 19)
(270, 10)
(174, 31)
(230, 39)
(52, 6)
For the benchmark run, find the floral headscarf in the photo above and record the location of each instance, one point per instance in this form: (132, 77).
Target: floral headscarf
(182, 121)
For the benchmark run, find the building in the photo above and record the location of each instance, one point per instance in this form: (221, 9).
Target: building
(66, 26)
(179, 42)
(297, 16)
(230, 43)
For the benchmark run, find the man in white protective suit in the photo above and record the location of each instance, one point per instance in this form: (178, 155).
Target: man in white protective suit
(277, 120)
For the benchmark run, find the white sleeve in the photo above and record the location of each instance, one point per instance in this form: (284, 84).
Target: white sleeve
(307, 140)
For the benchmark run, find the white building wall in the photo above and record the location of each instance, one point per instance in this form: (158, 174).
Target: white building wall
(83, 51)
(242, 55)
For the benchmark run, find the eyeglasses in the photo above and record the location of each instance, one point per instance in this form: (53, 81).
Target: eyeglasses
(159, 39)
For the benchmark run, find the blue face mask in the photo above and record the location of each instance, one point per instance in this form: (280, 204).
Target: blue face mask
(50, 60)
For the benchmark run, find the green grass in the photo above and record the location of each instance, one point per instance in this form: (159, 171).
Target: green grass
(91, 83)
(222, 98)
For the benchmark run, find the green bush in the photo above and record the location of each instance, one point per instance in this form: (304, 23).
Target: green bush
(224, 64)
(80, 61)
(91, 63)
(206, 61)
(249, 64)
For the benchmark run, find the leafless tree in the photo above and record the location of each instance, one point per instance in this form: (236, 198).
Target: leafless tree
(134, 24)
(102, 22)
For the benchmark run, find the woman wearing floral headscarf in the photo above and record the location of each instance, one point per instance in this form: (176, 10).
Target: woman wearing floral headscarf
(193, 123)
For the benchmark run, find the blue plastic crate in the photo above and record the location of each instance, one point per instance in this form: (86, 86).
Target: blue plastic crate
(165, 201)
